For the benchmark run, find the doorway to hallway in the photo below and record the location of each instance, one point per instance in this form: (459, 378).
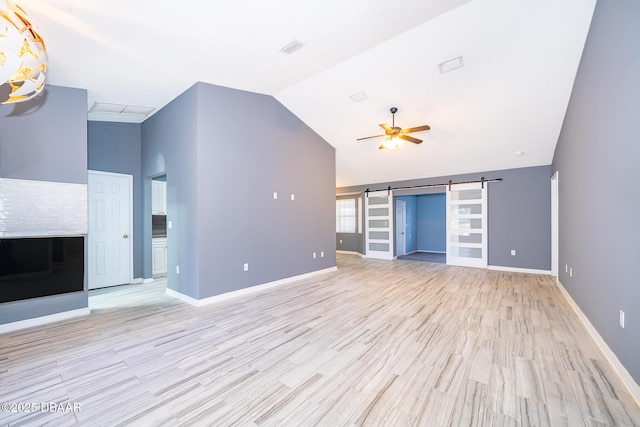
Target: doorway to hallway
(421, 227)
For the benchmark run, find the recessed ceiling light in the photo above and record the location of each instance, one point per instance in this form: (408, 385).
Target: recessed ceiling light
(357, 97)
(519, 153)
(292, 47)
(451, 64)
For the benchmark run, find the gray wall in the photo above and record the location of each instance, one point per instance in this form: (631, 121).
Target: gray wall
(225, 152)
(169, 146)
(597, 160)
(432, 222)
(45, 139)
(519, 213)
(250, 146)
(116, 147)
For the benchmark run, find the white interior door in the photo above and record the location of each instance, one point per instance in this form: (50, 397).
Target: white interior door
(401, 227)
(467, 225)
(110, 229)
(379, 221)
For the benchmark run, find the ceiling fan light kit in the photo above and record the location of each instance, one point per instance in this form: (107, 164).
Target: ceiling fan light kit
(22, 55)
(395, 136)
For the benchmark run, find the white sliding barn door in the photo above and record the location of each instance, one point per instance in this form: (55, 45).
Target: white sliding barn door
(467, 225)
(110, 229)
(379, 225)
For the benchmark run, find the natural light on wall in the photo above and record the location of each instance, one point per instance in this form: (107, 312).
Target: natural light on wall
(22, 56)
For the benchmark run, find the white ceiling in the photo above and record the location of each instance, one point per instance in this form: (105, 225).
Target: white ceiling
(520, 60)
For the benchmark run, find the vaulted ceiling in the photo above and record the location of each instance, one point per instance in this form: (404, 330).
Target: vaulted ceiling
(520, 59)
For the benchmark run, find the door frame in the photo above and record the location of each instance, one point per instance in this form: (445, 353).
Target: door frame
(555, 211)
(401, 227)
(132, 232)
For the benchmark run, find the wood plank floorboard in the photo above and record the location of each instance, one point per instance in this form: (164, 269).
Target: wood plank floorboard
(376, 343)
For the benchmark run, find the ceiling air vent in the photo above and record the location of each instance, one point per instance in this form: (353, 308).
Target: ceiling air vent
(120, 109)
(451, 64)
(357, 97)
(292, 47)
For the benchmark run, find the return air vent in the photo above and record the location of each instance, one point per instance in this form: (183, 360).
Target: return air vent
(451, 65)
(120, 109)
(292, 47)
(357, 97)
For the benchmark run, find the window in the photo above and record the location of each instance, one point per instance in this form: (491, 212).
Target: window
(346, 216)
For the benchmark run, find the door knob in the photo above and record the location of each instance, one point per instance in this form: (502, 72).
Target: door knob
(124, 236)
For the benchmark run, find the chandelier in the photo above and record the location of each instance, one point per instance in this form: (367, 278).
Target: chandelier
(22, 55)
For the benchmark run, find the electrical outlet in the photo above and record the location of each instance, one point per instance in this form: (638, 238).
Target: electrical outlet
(340, 241)
(177, 269)
(322, 254)
(169, 224)
(621, 319)
(571, 272)
(246, 266)
(314, 254)
(513, 252)
(293, 196)
(275, 195)
(566, 268)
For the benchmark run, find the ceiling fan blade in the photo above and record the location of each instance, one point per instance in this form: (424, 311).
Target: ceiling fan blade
(416, 129)
(369, 137)
(387, 128)
(410, 139)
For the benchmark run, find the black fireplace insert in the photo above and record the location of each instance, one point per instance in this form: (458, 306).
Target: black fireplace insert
(39, 267)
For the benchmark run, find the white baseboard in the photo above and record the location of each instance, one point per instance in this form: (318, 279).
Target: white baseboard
(428, 252)
(519, 270)
(245, 291)
(44, 320)
(139, 280)
(618, 367)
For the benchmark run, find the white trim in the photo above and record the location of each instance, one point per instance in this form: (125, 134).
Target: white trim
(139, 280)
(632, 387)
(349, 253)
(427, 252)
(555, 198)
(245, 291)
(400, 226)
(44, 320)
(518, 270)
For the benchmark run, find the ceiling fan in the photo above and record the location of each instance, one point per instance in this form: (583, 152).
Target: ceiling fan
(394, 133)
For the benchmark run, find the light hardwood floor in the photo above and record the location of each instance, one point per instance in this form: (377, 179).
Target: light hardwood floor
(375, 343)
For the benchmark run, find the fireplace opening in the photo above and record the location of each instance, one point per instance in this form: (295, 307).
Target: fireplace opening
(39, 267)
